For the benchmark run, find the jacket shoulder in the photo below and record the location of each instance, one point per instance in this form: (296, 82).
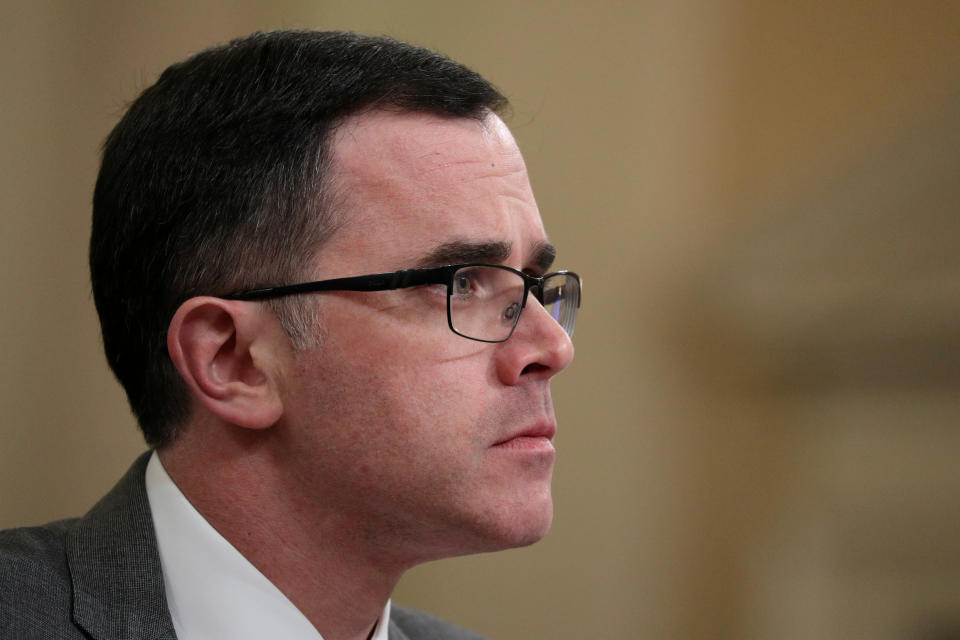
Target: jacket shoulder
(35, 591)
(417, 625)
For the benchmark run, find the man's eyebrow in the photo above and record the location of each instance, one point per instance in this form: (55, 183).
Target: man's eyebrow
(543, 256)
(459, 252)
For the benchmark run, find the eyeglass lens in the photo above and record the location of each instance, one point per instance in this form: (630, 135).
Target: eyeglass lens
(485, 302)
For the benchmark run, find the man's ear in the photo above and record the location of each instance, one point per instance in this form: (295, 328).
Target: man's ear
(228, 352)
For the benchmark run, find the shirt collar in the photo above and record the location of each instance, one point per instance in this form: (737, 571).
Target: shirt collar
(212, 590)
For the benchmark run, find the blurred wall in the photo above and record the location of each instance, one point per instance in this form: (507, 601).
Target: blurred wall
(756, 437)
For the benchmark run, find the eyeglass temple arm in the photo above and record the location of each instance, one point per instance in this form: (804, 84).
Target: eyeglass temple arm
(375, 282)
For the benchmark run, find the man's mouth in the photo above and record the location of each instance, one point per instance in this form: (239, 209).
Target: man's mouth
(536, 436)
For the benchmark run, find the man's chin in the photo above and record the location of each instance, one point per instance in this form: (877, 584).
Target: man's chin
(524, 528)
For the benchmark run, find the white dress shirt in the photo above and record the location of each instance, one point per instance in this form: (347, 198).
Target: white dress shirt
(213, 591)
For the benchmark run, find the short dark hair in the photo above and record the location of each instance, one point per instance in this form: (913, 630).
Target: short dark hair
(214, 180)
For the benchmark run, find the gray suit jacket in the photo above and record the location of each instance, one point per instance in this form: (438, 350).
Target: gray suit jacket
(99, 577)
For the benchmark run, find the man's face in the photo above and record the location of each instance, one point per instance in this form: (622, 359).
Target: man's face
(429, 443)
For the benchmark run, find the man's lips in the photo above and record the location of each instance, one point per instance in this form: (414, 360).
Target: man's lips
(539, 435)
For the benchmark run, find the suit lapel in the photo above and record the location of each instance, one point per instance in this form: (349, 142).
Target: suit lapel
(118, 590)
(394, 632)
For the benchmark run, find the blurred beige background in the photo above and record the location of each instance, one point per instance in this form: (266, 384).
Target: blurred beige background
(758, 437)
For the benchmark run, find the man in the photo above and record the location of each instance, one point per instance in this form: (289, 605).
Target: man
(322, 281)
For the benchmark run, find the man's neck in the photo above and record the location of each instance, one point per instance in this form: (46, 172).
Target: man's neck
(319, 561)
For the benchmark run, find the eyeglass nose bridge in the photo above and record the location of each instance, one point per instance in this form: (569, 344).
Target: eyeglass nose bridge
(534, 286)
(531, 285)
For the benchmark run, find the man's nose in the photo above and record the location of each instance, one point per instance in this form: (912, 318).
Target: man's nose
(539, 346)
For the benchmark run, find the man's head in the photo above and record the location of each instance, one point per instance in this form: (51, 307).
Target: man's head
(375, 419)
(216, 179)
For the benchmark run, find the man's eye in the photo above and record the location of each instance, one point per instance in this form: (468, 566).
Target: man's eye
(463, 284)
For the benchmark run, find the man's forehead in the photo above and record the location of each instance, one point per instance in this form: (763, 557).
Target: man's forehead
(413, 143)
(418, 189)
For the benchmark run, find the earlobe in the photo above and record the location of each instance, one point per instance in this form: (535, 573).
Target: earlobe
(215, 345)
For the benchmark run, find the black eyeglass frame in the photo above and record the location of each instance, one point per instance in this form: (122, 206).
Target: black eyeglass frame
(410, 278)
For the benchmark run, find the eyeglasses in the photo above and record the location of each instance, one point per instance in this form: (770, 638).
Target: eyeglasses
(484, 301)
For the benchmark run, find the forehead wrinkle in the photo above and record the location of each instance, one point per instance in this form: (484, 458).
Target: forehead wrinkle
(499, 158)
